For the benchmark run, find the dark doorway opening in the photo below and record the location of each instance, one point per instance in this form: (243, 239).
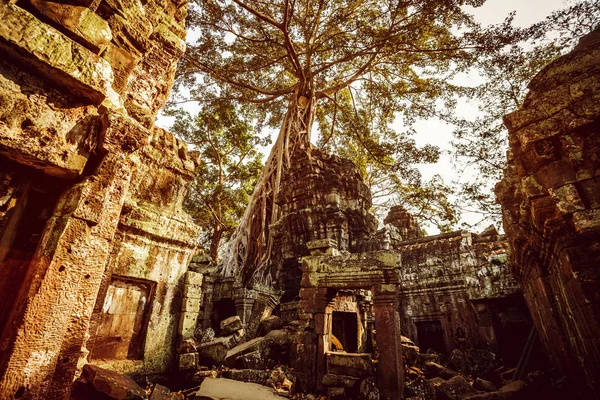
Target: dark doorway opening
(222, 309)
(27, 201)
(430, 335)
(344, 326)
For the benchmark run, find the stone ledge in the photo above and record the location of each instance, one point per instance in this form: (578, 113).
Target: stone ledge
(24, 37)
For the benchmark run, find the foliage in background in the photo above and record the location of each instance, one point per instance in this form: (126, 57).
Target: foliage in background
(353, 65)
(231, 165)
(480, 144)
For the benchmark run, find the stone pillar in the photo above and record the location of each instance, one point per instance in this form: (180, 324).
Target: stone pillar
(263, 307)
(63, 282)
(190, 304)
(390, 372)
(207, 302)
(244, 302)
(322, 329)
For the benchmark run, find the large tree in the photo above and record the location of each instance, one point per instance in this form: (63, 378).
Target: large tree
(295, 59)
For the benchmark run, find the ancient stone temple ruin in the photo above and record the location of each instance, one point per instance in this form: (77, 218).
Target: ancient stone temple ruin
(550, 196)
(94, 243)
(101, 280)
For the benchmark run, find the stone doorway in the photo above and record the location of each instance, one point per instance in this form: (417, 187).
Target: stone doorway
(27, 200)
(123, 322)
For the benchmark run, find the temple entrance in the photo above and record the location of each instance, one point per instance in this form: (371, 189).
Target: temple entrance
(430, 335)
(27, 200)
(121, 333)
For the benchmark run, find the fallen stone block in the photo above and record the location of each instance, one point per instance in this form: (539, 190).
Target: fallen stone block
(188, 361)
(100, 383)
(255, 360)
(221, 388)
(270, 323)
(339, 380)
(213, 352)
(247, 375)
(260, 344)
(230, 325)
(483, 385)
(433, 370)
(350, 364)
(455, 388)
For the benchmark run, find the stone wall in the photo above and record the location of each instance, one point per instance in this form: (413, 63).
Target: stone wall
(455, 287)
(95, 244)
(323, 196)
(550, 195)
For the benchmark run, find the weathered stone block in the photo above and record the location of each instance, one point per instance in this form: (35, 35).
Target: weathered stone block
(230, 325)
(213, 352)
(188, 361)
(350, 364)
(190, 305)
(95, 381)
(79, 69)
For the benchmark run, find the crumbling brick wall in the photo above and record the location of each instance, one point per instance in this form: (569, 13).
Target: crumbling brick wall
(550, 196)
(80, 85)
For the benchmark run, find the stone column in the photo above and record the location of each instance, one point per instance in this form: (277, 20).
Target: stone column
(244, 301)
(322, 324)
(390, 372)
(263, 307)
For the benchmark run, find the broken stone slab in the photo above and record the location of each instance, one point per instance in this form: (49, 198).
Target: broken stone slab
(254, 360)
(229, 325)
(260, 344)
(455, 388)
(339, 380)
(163, 393)
(96, 382)
(221, 388)
(279, 337)
(351, 364)
(247, 375)
(483, 385)
(270, 323)
(433, 370)
(213, 352)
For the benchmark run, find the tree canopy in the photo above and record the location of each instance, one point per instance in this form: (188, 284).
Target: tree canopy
(480, 143)
(353, 66)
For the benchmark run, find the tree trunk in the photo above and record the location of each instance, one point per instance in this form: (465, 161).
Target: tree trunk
(215, 240)
(249, 253)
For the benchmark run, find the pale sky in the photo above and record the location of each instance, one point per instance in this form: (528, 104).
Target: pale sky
(438, 133)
